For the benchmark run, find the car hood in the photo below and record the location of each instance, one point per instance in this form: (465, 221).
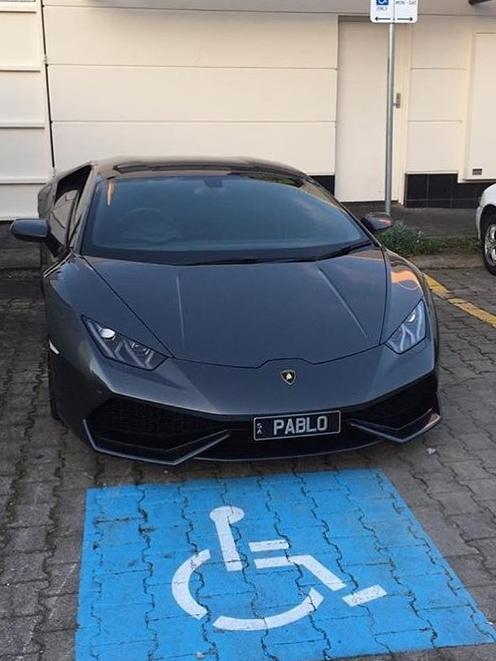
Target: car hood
(245, 315)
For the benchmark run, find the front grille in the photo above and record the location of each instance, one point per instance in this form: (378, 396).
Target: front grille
(127, 421)
(137, 429)
(403, 407)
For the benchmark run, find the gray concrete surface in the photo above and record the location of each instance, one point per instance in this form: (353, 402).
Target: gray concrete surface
(16, 254)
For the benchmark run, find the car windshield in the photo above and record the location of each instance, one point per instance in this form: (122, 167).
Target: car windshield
(206, 218)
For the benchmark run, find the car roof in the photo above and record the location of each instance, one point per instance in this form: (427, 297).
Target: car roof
(118, 167)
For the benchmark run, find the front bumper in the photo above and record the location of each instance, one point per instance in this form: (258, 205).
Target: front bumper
(131, 429)
(184, 409)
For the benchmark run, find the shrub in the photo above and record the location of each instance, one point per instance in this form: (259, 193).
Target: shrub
(408, 241)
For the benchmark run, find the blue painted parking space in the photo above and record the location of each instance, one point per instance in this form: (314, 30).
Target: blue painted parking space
(296, 567)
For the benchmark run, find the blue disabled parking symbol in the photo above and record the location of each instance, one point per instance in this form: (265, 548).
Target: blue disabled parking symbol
(292, 567)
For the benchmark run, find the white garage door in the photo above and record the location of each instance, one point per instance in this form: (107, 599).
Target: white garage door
(162, 82)
(25, 161)
(481, 152)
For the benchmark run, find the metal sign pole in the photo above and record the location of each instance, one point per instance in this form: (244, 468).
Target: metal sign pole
(390, 117)
(392, 12)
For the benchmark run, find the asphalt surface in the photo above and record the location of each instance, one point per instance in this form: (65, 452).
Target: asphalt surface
(447, 479)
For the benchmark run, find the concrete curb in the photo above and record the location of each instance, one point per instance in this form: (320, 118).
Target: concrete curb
(429, 262)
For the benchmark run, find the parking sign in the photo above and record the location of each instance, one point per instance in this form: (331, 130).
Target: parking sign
(394, 11)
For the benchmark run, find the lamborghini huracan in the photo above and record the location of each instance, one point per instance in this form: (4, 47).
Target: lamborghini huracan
(227, 310)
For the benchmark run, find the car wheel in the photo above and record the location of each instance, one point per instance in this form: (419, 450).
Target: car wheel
(51, 389)
(489, 244)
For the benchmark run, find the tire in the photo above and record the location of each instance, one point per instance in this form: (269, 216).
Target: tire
(51, 389)
(488, 239)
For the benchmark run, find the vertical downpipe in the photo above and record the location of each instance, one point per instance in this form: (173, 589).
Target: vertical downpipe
(47, 86)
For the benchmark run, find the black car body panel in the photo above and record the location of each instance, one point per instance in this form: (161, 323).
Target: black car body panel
(244, 315)
(227, 332)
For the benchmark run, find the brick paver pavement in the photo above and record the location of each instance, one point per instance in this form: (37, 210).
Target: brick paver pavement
(448, 479)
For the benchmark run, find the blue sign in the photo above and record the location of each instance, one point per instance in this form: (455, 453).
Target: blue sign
(299, 566)
(382, 3)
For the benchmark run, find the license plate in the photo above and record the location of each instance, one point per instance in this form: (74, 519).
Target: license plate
(296, 426)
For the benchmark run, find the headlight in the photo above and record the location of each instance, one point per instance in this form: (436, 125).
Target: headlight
(411, 332)
(121, 348)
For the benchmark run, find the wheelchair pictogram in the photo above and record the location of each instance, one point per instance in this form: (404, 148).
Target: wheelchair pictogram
(225, 517)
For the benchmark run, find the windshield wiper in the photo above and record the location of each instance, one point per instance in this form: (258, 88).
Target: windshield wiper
(240, 260)
(344, 250)
(340, 252)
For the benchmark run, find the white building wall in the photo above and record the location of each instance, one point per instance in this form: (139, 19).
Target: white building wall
(25, 161)
(441, 96)
(224, 77)
(480, 161)
(343, 7)
(246, 77)
(182, 82)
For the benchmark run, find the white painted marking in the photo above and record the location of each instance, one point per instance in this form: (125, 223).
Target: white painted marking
(269, 563)
(180, 585)
(269, 545)
(307, 606)
(53, 348)
(364, 596)
(329, 579)
(68, 576)
(224, 517)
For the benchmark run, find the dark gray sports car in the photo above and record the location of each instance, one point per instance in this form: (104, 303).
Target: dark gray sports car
(227, 310)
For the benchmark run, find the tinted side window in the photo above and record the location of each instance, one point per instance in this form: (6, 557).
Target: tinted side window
(44, 201)
(79, 207)
(67, 196)
(61, 214)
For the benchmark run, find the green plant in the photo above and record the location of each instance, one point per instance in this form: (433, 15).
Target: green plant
(408, 241)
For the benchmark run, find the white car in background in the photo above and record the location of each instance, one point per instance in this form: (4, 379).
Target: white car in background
(486, 227)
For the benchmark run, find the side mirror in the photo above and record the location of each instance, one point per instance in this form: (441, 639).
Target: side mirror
(378, 222)
(30, 229)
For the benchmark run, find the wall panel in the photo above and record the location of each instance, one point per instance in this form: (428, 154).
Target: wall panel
(23, 153)
(19, 39)
(481, 140)
(165, 94)
(307, 146)
(434, 146)
(18, 200)
(441, 42)
(440, 92)
(185, 38)
(25, 161)
(22, 97)
(215, 83)
(438, 95)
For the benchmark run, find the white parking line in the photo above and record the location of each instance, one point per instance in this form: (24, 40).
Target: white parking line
(364, 596)
(269, 545)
